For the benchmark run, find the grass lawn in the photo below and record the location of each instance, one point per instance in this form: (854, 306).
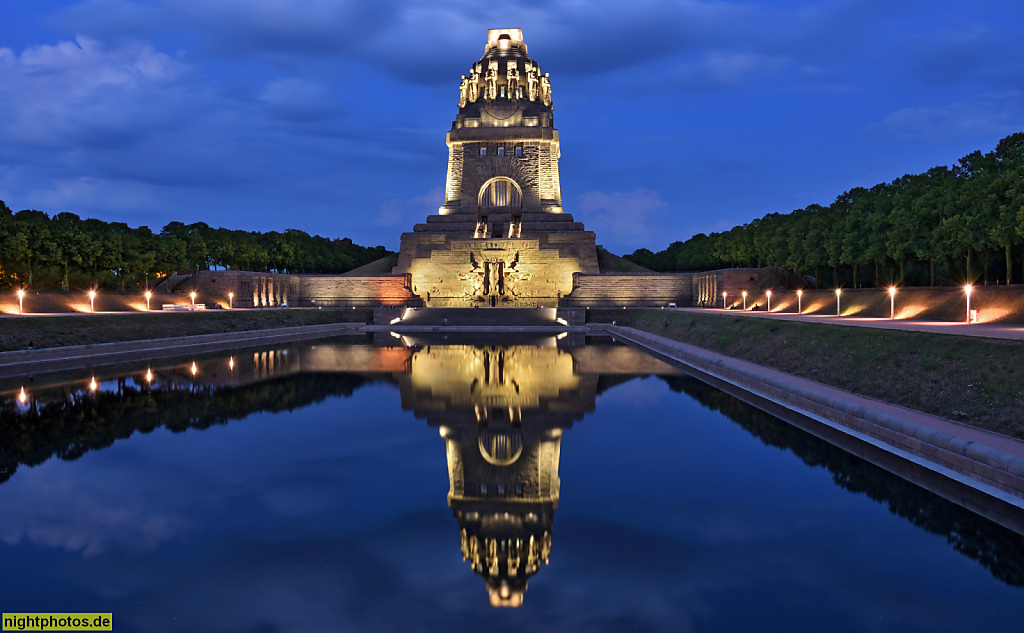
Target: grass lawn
(57, 331)
(972, 380)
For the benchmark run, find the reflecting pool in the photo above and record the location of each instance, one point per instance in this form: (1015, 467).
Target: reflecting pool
(444, 485)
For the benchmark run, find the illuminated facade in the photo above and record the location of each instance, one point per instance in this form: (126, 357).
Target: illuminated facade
(501, 238)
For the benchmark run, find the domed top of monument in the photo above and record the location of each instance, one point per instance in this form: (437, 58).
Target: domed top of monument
(505, 87)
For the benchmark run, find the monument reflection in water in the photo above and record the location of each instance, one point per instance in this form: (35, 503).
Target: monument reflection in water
(501, 410)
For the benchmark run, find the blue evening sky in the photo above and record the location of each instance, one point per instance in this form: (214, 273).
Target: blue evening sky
(676, 117)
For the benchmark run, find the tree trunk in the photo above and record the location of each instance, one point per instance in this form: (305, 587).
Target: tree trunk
(984, 266)
(835, 276)
(901, 271)
(855, 275)
(931, 265)
(970, 255)
(1009, 265)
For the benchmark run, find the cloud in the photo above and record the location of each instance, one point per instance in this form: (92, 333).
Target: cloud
(624, 220)
(404, 212)
(988, 115)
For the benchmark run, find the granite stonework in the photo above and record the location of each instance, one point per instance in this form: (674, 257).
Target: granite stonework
(501, 238)
(265, 290)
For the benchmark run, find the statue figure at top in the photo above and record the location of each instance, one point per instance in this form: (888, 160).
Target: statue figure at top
(474, 85)
(531, 81)
(492, 80)
(545, 89)
(512, 78)
(463, 92)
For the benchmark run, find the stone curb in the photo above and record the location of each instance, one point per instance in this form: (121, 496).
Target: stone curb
(526, 329)
(38, 359)
(977, 461)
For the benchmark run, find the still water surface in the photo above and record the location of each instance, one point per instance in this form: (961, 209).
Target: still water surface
(353, 487)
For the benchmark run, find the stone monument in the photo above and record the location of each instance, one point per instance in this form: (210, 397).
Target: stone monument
(501, 238)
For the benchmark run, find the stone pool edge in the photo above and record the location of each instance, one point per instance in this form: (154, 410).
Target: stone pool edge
(968, 472)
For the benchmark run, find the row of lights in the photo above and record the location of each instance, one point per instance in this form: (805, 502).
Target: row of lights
(800, 293)
(93, 385)
(92, 300)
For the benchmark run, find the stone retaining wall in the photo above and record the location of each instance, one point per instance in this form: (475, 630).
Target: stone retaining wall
(257, 290)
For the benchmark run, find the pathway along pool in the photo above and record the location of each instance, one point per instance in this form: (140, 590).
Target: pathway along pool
(357, 487)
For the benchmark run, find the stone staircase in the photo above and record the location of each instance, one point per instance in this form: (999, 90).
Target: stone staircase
(460, 317)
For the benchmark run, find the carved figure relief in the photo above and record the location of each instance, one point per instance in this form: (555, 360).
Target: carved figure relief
(545, 89)
(474, 85)
(463, 91)
(512, 78)
(491, 78)
(531, 81)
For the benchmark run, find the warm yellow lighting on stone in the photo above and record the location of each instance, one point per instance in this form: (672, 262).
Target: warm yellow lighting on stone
(500, 239)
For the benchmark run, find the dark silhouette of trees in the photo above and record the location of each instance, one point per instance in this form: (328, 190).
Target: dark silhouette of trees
(66, 251)
(964, 222)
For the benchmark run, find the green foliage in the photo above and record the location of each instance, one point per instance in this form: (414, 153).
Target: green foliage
(65, 250)
(950, 220)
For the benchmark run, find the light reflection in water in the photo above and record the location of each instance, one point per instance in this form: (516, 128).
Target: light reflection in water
(501, 412)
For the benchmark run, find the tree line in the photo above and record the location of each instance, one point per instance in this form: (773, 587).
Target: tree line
(65, 251)
(963, 223)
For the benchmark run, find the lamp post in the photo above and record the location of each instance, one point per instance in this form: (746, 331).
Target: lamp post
(148, 295)
(769, 295)
(892, 302)
(193, 295)
(231, 299)
(968, 289)
(838, 292)
(744, 299)
(21, 298)
(799, 302)
(724, 305)
(92, 301)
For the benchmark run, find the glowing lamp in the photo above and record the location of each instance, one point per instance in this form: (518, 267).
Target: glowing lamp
(148, 295)
(193, 295)
(724, 307)
(92, 301)
(22, 397)
(892, 302)
(231, 299)
(967, 290)
(744, 299)
(21, 298)
(799, 301)
(838, 292)
(768, 293)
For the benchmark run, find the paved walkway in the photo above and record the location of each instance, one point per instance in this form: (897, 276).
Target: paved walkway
(987, 330)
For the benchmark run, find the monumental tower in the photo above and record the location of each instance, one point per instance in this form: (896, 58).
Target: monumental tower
(501, 237)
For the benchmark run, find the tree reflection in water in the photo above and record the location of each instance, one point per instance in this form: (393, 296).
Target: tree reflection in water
(501, 411)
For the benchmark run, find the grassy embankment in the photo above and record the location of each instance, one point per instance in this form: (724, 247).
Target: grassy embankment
(972, 380)
(56, 331)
